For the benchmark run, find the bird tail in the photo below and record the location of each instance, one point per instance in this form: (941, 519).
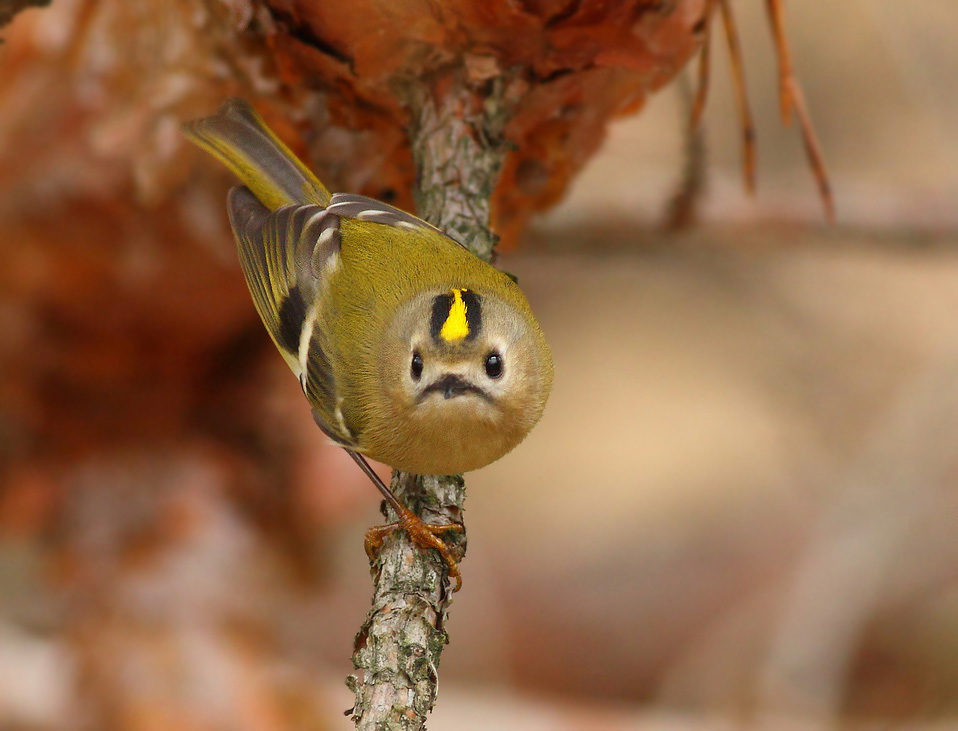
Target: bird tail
(237, 135)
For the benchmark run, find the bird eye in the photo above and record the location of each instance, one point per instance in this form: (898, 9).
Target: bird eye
(493, 365)
(416, 368)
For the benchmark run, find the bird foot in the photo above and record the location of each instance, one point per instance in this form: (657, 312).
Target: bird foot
(425, 535)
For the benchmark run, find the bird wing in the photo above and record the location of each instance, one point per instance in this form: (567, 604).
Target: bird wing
(286, 256)
(361, 208)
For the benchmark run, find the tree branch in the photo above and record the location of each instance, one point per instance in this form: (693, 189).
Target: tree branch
(458, 147)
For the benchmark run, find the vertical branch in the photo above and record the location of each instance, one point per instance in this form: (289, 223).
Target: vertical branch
(459, 149)
(457, 143)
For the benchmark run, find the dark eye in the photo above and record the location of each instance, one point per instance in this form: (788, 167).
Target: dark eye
(493, 365)
(416, 368)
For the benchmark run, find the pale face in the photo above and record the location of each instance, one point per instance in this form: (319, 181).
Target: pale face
(467, 377)
(465, 355)
(477, 374)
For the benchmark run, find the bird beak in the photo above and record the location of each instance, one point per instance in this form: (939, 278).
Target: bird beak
(451, 385)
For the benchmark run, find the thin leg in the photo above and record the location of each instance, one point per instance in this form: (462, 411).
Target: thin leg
(424, 535)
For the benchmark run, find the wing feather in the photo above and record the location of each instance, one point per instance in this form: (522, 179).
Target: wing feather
(361, 208)
(287, 255)
(278, 252)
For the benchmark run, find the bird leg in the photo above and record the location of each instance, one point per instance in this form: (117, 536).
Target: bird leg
(425, 535)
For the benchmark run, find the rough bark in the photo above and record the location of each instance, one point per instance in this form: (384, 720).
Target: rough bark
(458, 147)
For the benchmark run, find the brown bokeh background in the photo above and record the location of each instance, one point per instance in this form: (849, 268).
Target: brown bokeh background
(739, 509)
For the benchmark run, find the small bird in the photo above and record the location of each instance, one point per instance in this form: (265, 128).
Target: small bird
(410, 349)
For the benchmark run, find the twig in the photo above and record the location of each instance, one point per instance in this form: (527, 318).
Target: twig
(683, 206)
(741, 94)
(457, 144)
(792, 99)
(705, 73)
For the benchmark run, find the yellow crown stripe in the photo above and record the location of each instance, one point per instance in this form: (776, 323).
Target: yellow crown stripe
(456, 326)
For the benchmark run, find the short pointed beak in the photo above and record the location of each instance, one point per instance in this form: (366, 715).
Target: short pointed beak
(452, 385)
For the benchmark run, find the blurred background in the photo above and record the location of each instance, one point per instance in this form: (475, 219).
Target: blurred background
(738, 511)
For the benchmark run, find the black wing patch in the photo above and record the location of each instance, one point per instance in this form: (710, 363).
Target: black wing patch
(284, 254)
(292, 315)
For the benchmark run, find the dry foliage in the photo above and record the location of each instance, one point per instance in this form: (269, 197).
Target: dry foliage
(138, 438)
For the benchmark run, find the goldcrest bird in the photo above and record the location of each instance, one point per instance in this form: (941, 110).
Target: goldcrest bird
(410, 349)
